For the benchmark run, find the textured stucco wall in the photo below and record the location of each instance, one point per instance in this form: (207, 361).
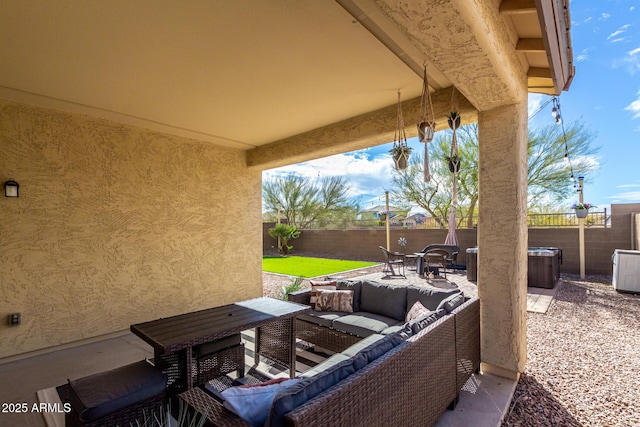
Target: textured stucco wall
(116, 225)
(502, 237)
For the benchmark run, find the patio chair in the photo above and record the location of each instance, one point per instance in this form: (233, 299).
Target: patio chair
(452, 255)
(437, 258)
(391, 259)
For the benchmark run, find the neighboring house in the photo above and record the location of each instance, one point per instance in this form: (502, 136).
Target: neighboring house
(414, 220)
(375, 211)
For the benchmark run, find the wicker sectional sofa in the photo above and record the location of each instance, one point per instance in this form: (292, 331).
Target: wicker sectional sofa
(406, 374)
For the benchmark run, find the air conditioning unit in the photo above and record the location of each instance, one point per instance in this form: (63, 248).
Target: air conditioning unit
(626, 270)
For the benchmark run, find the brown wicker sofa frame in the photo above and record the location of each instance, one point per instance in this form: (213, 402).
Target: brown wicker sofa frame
(467, 337)
(412, 384)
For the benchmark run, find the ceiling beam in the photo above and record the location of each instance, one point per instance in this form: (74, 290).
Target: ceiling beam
(539, 72)
(530, 45)
(516, 7)
(363, 131)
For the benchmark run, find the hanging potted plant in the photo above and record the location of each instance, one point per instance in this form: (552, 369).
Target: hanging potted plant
(382, 215)
(582, 209)
(427, 125)
(400, 150)
(454, 163)
(454, 120)
(400, 155)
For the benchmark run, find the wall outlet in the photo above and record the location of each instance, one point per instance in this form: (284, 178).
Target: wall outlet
(15, 319)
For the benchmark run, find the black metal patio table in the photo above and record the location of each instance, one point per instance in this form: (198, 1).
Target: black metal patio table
(173, 338)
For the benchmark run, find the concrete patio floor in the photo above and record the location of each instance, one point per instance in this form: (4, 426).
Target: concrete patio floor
(483, 402)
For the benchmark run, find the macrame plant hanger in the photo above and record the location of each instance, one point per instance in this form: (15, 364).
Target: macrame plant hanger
(427, 125)
(454, 158)
(400, 149)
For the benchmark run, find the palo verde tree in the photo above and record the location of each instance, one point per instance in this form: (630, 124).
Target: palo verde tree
(302, 201)
(552, 161)
(436, 196)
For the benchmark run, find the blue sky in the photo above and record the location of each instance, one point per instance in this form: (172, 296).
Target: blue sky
(605, 95)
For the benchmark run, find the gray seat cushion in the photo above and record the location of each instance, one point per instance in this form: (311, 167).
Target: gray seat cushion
(324, 365)
(383, 299)
(361, 345)
(374, 346)
(430, 298)
(107, 392)
(392, 329)
(364, 324)
(351, 285)
(322, 318)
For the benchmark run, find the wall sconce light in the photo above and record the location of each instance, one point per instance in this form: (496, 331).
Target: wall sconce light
(11, 188)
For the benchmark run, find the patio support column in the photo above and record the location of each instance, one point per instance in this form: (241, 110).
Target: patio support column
(503, 238)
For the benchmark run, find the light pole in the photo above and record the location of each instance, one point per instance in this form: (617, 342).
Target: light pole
(581, 228)
(386, 196)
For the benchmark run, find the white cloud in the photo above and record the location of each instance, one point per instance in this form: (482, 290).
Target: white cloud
(634, 107)
(631, 62)
(628, 186)
(583, 56)
(366, 175)
(604, 16)
(626, 197)
(535, 101)
(619, 31)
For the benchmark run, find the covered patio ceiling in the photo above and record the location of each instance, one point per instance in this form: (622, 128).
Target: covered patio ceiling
(248, 73)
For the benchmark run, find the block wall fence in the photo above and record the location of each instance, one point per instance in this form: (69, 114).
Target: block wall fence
(363, 244)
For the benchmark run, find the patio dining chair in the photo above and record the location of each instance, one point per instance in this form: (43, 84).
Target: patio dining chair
(437, 258)
(391, 259)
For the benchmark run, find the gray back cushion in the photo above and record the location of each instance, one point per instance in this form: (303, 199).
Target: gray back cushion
(351, 285)
(430, 298)
(290, 398)
(388, 300)
(452, 302)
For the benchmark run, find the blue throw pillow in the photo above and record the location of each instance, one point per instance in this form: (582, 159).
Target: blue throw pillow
(252, 404)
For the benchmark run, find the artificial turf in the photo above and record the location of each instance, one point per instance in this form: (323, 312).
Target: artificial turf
(308, 267)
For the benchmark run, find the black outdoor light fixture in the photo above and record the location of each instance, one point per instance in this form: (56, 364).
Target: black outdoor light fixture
(11, 188)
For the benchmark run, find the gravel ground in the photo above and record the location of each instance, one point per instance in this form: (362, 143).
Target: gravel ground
(583, 366)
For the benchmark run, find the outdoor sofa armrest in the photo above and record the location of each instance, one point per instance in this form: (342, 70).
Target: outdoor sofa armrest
(301, 297)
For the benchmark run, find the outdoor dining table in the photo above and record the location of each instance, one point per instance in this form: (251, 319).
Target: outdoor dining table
(173, 338)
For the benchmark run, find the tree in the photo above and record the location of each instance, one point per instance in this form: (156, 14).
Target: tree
(436, 196)
(302, 201)
(549, 170)
(552, 175)
(284, 232)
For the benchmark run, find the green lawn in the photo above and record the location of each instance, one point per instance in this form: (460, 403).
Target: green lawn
(309, 267)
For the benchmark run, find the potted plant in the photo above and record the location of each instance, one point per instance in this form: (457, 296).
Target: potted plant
(426, 131)
(400, 153)
(454, 163)
(582, 209)
(382, 215)
(454, 119)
